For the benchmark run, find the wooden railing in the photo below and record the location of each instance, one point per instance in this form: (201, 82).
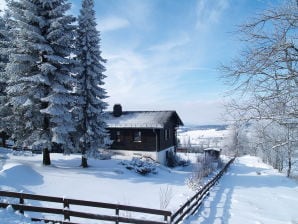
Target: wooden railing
(68, 213)
(188, 208)
(194, 202)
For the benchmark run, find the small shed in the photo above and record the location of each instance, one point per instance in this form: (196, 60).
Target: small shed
(212, 153)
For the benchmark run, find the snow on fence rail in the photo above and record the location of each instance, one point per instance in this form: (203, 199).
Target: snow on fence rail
(195, 202)
(68, 213)
(188, 208)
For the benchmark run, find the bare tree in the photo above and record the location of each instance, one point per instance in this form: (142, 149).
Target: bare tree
(264, 77)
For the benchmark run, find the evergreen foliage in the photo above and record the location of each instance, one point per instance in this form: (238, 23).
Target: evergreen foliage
(27, 84)
(92, 132)
(40, 80)
(4, 43)
(59, 33)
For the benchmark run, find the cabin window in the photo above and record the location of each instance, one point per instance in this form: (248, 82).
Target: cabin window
(167, 134)
(137, 136)
(118, 134)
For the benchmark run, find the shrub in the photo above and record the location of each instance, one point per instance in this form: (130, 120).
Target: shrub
(142, 166)
(174, 160)
(165, 196)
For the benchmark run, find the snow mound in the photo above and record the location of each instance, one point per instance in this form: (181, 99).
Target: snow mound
(14, 174)
(9, 216)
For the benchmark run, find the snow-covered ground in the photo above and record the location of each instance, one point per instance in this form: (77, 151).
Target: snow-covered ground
(104, 181)
(204, 138)
(251, 193)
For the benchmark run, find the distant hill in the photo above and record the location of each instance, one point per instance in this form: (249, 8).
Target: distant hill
(203, 127)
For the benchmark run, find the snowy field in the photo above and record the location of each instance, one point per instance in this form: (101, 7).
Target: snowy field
(104, 181)
(203, 138)
(251, 193)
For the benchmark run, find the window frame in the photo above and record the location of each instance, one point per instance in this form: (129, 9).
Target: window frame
(137, 136)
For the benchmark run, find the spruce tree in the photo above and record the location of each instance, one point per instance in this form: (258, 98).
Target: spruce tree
(40, 83)
(59, 33)
(93, 134)
(27, 83)
(4, 109)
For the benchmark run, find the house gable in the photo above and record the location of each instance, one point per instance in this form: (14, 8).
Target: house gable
(150, 131)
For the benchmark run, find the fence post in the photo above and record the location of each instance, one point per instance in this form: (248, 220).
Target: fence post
(22, 202)
(117, 214)
(166, 218)
(66, 207)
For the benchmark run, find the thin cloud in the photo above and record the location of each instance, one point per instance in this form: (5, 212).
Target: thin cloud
(171, 44)
(112, 23)
(209, 12)
(201, 69)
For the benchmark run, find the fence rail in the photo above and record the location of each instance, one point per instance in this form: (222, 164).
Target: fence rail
(68, 213)
(188, 208)
(194, 202)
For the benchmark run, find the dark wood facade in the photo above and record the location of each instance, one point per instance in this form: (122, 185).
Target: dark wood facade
(150, 139)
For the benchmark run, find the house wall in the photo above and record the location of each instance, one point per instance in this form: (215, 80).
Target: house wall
(148, 139)
(154, 142)
(160, 156)
(171, 138)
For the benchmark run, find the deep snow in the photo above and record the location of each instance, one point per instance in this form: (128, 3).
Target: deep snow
(251, 191)
(104, 181)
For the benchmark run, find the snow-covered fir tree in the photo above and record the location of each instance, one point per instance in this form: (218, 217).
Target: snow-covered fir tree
(4, 109)
(93, 134)
(59, 33)
(27, 84)
(40, 83)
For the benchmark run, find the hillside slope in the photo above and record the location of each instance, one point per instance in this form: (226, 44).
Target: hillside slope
(252, 193)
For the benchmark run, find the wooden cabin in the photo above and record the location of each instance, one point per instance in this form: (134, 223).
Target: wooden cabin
(146, 133)
(213, 153)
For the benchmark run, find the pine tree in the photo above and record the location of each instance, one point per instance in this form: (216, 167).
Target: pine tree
(27, 83)
(4, 109)
(59, 32)
(93, 134)
(40, 83)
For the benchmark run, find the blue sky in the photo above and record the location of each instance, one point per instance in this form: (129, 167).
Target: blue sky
(164, 54)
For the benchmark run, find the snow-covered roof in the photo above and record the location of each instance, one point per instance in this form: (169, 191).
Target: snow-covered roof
(212, 149)
(142, 119)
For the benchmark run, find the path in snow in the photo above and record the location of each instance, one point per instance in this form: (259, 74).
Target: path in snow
(251, 192)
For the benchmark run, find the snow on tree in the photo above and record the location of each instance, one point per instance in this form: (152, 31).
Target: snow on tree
(39, 69)
(59, 32)
(93, 134)
(4, 109)
(27, 84)
(265, 75)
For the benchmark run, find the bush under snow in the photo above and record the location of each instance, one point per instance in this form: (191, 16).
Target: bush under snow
(142, 166)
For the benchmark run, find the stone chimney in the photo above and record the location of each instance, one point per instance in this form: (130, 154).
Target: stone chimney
(117, 110)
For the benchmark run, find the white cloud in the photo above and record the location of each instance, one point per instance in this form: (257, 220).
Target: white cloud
(201, 112)
(209, 12)
(112, 23)
(133, 81)
(139, 13)
(172, 43)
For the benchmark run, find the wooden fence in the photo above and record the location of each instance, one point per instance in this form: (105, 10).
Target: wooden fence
(194, 202)
(188, 208)
(68, 213)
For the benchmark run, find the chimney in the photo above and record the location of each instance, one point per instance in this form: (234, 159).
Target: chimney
(117, 110)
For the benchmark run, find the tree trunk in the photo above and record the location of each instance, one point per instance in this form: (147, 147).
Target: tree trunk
(46, 157)
(3, 137)
(289, 166)
(84, 163)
